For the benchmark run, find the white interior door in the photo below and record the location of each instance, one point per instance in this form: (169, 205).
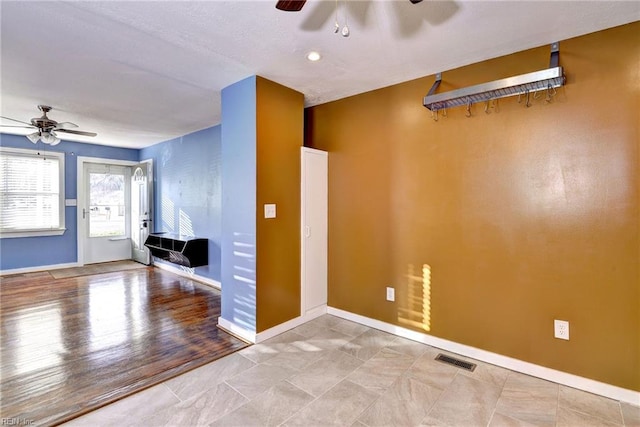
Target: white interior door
(106, 213)
(314, 229)
(141, 217)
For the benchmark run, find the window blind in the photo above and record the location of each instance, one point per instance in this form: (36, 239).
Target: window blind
(30, 192)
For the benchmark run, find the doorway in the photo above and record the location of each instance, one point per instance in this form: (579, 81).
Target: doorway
(141, 202)
(114, 210)
(314, 223)
(106, 212)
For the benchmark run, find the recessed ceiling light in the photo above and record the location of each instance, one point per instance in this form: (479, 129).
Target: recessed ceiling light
(313, 56)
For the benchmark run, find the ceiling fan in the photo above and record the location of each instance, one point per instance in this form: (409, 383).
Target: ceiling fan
(46, 128)
(296, 5)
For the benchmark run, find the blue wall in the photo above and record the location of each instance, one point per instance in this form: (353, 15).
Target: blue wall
(239, 204)
(187, 190)
(51, 250)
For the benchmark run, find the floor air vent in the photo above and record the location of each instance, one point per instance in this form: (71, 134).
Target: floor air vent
(455, 362)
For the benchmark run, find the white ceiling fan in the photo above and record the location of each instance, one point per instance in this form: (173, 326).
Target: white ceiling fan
(46, 128)
(296, 5)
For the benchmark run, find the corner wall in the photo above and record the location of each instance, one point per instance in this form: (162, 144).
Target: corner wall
(280, 121)
(262, 133)
(493, 226)
(238, 268)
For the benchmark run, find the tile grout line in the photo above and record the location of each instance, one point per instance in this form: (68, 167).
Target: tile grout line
(624, 422)
(303, 407)
(495, 407)
(330, 388)
(592, 416)
(442, 392)
(164, 383)
(557, 406)
(240, 393)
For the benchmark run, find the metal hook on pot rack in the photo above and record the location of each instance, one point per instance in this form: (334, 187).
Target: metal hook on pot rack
(550, 94)
(537, 94)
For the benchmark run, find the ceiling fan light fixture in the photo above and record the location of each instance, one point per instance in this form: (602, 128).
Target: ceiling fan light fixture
(55, 140)
(34, 137)
(50, 138)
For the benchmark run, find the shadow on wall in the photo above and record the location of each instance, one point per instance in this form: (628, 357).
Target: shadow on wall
(244, 277)
(168, 217)
(415, 309)
(185, 225)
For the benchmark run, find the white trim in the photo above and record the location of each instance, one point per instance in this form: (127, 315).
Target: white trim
(570, 380)
(185, 273)
(315, 151)
(150, 208)
(236, 330)
(81, 197)
(37, 268)
(303, 223)
(290, 324)
(34, 233)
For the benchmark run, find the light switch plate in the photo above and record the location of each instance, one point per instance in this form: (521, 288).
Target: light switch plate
(270, 211)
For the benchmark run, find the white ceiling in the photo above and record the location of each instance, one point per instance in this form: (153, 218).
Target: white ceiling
(138, 73)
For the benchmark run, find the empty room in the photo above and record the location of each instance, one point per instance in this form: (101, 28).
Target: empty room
(351, 212)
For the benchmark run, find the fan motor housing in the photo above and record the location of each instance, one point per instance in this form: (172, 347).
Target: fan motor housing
(43, 123)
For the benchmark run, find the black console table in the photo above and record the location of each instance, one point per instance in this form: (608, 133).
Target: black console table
(177, 249)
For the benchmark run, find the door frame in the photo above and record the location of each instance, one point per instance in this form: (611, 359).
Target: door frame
(151, 206)
(81, 196)
(304, 309)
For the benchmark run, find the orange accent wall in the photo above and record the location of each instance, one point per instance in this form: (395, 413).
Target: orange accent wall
(491, 227)
(280, 114)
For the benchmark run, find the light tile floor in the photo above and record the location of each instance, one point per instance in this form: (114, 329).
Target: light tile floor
(330, 371)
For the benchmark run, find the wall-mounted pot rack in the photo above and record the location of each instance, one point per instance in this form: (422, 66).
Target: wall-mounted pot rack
(523, 84)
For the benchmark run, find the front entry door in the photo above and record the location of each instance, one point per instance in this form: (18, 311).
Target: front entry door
(107, 213)
(141, 202)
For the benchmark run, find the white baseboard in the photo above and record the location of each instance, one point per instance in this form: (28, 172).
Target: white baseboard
(238, 331)
(570, 380)
(290, 324)
(255, 338)
(38, 268)
(184, 272)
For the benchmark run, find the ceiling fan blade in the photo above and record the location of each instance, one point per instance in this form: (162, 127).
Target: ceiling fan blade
(66, 125)
(77, 132)
(18, 121)
(290, 5)
(21, 127)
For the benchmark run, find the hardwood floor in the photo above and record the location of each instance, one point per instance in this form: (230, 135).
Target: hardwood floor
(72, 345)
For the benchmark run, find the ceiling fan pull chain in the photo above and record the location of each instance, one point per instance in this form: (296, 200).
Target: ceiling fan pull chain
(345, 29)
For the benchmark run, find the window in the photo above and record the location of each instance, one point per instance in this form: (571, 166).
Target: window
(31, 193)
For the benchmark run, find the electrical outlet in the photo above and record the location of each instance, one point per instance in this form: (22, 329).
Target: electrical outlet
(561, 329)
(391, 294)
(270, 210)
